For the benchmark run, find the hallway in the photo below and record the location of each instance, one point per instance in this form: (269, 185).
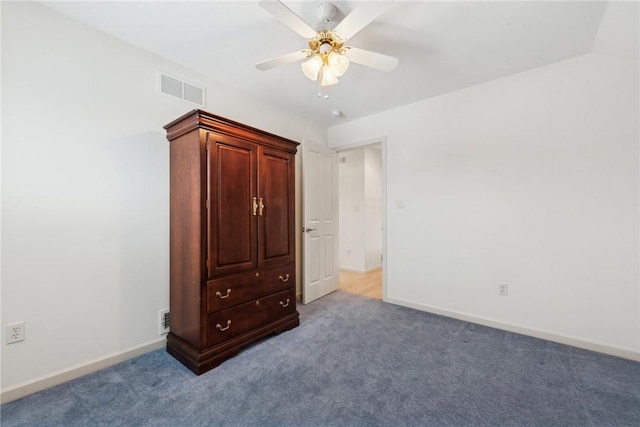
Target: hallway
(366, 284)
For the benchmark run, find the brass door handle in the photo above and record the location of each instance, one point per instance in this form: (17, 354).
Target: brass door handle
(284, 279)
(260, 205)
(285, 304)
(255, 205)
(223, 296)
(219, 326)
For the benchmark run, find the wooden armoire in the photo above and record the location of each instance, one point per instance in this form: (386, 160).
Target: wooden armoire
(232, 238)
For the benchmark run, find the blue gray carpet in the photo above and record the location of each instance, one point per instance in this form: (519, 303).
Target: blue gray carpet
(356, 361)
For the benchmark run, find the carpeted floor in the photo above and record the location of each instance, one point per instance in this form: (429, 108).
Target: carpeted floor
(356, 361)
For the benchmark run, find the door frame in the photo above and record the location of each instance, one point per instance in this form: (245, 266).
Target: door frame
(382, 140)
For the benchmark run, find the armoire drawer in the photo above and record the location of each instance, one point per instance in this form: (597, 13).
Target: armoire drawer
(279, 278)
(230, 291)
(228, 323)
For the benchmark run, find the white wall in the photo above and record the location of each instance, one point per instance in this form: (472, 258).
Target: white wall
(360, 188)
(352, 210)
(373, 207)
(530, 180)
(85, 191)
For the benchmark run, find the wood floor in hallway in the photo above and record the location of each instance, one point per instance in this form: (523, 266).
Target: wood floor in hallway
(366, 284)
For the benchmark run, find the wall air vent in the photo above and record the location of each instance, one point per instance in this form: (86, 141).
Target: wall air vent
(177, 88)
(165, 321)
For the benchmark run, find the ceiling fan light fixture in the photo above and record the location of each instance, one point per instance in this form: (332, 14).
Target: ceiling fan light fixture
(312, 67)
(326, 55)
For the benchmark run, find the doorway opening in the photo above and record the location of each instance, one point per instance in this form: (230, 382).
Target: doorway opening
(361, 198)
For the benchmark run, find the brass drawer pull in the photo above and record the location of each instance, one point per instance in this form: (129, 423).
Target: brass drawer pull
(218, 294)
(255, 205)
(284, 279)
(260, 206)
(219, 326)
(285, 304)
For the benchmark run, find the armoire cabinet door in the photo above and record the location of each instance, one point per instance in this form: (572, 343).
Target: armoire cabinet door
(232, 236)
(276, 182)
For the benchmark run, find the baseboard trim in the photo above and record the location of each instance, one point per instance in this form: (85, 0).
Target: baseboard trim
(62, 376)
(545, 335)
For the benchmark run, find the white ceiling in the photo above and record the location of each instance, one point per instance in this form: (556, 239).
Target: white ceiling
(442, 45)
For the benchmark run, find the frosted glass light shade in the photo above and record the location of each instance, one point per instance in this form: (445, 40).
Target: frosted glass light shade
(312, 67)
(339, 63)
(328, 76)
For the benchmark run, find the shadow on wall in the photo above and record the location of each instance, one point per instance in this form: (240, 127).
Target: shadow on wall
(142, 166)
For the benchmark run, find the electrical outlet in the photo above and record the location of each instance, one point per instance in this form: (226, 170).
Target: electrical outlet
(15, 332)
(165, 321)
(503, 289)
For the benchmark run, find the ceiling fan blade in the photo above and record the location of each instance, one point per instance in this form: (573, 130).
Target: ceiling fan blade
(360, 17)
(286, 15)
(371, 59)
(282, 60)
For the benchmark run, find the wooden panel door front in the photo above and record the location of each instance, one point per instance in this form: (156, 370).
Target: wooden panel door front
(276, 221)
(232, 237)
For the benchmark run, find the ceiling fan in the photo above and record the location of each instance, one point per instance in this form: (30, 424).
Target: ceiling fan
(327, 56)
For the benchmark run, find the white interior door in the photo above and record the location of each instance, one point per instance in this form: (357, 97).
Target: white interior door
(320, 221)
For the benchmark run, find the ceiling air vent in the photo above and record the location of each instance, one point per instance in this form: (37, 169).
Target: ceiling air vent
(178, 88)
